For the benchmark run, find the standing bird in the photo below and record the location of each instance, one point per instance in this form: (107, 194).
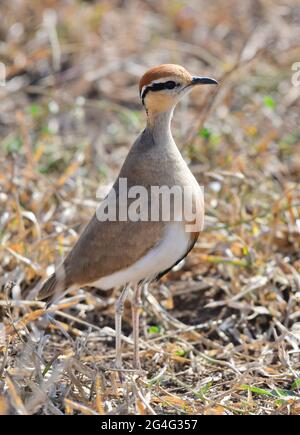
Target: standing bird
(133, 252)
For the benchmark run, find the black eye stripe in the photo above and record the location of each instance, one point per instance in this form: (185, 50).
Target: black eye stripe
(170, 85)
(159, 87)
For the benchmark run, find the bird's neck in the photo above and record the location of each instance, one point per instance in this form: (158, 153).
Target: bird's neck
(159, 124)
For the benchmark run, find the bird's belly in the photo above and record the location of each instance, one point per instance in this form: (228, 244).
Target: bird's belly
(172, 247)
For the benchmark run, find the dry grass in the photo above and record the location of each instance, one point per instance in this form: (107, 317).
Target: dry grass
(227, 338)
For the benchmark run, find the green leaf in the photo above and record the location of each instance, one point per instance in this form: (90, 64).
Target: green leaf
(257, 390)
(269, 102)
(205, 133)
(295, 385)
(154, 330)
(34, 110)
(276, 393)
(180, 352)
(203, 390)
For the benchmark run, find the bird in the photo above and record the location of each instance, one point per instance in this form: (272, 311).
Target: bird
(131, 253)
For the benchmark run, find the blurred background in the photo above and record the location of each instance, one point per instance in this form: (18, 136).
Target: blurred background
(69, 112)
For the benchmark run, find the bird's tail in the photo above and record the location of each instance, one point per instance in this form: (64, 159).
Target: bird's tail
(50, 289)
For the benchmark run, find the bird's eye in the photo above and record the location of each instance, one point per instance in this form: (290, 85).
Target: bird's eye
(170, 85)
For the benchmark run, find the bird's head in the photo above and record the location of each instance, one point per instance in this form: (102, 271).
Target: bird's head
(163, 86)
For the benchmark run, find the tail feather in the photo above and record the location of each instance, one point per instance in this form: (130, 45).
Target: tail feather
(49, 289)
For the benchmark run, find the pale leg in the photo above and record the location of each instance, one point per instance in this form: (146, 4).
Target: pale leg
(118, 325)
(136, 310)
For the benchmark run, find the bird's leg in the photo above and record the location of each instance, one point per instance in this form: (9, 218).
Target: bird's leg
(136, 310)
(118, 326)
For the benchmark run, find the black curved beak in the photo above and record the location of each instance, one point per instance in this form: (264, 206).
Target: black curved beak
(204, 81)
